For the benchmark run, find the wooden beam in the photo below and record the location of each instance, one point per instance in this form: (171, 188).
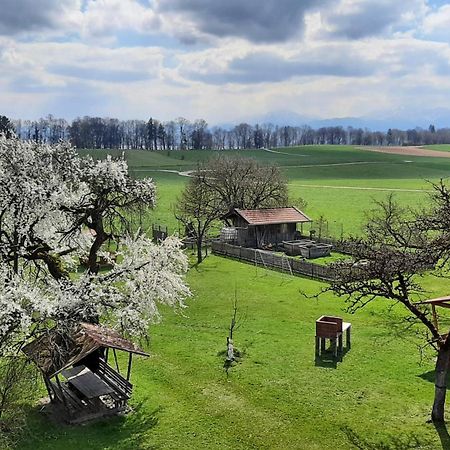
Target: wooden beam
(443, 305)
(115, 359)
(63, 396)
(130, 359)
(435, 318)
(437, 301)
(51, 394)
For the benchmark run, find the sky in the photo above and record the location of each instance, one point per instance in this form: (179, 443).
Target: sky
(226, 61)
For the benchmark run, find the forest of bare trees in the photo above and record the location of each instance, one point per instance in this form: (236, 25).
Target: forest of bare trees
(182, 134)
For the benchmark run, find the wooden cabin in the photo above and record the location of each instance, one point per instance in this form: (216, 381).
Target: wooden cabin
(262, 228)
(78, 371)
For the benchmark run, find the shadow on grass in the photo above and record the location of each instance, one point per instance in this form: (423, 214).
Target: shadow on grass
(442, 432)
(327, 359)
(430, 376)
(200, 267)
(120, 432)
(397, 442)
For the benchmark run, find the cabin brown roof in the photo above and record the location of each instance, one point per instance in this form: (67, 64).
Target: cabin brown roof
(270, 216)
(53, 352)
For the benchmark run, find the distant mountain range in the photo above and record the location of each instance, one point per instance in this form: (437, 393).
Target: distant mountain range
(440, 118)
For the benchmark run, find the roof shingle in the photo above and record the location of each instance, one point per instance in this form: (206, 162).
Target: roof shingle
(52, 352)
(273, 216)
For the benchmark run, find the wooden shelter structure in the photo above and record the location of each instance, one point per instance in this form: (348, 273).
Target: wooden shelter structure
(77, 374)
(443, 302)
(261, 228)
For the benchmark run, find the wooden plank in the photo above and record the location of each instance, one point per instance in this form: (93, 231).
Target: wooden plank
(116, 381)
(130, 359)
(74, 371)
(89, 384)
(111, 372)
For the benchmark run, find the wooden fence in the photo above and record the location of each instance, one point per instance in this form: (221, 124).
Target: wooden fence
(271, 260)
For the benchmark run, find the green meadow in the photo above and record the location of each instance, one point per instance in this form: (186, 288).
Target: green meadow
(440, 147)
(337, 182)
(277, 397)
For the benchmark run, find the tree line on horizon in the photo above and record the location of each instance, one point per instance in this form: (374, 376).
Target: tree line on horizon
(182, 134)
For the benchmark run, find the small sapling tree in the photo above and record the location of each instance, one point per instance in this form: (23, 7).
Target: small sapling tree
(232, 353)
(197, 209)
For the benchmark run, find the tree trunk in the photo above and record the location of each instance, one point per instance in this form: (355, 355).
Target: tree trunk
(230, 350)
(199, 251)
(100, 238)
(440, 390)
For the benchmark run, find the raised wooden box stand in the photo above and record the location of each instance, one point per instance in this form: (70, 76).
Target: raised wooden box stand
(332, 328)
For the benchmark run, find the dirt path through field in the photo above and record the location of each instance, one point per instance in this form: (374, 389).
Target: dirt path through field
(186, 173)
(358, 188)
(353, 163)
(281, 153)
(410, 151)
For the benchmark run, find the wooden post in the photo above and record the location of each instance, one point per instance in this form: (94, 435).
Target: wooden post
(47, 385)
(130, 358)
(115, 359)
(435, 318)
(317, 345)
(61, 390)
(334, 346)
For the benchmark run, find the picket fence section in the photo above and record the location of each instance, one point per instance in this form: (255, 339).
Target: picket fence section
(272, 260)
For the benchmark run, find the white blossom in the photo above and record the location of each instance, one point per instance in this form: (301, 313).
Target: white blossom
(50, 199)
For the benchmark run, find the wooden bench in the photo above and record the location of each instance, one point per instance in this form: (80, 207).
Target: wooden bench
(332, 328)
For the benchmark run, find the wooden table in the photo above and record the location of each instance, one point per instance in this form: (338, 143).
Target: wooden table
(87, 382)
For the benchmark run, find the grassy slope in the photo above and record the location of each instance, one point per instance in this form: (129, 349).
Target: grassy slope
(311, 171)
(276, 397)
(440, 147)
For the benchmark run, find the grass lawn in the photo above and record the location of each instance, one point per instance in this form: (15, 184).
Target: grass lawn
(378, 397)
(440, 147)
(334, 257)
(338, 183)
(276, 397)
(324, 261)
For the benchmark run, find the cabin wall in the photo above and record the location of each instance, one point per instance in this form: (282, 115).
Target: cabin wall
(267, 235)
(246, 237)
(238, 221)
(259, 236)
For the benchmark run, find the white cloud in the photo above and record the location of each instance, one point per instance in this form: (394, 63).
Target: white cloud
(359, 19)
(355, 57)
(104, 18)
(437, 24)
